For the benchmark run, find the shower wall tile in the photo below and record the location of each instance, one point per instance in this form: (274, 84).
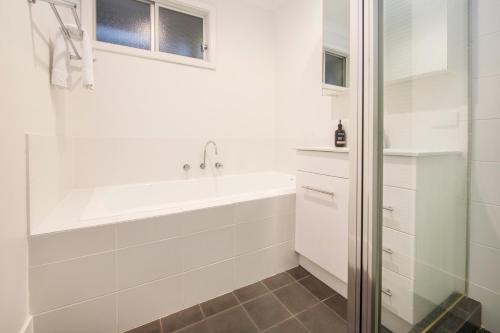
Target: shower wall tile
(482, 270)
(485, 97)
(485, 139)
(485, 55)
(484, 182)
(485, 224)
(145, 263)
(490, 303)
(65, 283)
(143, 304)
(96, 316)
(484, 19)
(50, 248)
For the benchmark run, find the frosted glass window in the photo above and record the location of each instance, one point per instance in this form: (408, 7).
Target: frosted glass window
(124, 22)
(335, 69)
(180, 33)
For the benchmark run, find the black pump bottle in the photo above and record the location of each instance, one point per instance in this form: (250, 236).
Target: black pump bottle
(340, 136)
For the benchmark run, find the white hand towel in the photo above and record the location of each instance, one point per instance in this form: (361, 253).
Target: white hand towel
(60, 61)
(61, 58)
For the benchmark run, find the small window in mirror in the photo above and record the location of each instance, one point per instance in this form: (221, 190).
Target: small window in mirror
(334, 69)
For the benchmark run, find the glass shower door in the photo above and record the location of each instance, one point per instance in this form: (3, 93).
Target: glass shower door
(424, 100)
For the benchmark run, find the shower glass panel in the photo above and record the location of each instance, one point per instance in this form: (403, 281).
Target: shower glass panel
(424, 96)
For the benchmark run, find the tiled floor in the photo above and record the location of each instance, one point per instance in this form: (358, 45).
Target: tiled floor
(289, 302)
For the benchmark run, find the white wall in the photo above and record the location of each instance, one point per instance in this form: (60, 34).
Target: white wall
(27, 104)
(147, 118)
(485, 191)
(303, 115)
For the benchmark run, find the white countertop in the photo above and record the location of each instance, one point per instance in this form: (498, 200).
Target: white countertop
(387, 152)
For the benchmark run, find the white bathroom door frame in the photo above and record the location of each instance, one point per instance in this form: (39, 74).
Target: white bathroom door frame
(365, 228)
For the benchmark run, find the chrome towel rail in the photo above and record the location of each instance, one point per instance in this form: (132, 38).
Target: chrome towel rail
(67, 35)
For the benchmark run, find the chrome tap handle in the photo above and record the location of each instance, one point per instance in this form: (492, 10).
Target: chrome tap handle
(219, 165)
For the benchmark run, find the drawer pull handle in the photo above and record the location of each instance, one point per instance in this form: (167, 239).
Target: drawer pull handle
(388, 292)
(318, 190)
(387, 250)
(389, 208)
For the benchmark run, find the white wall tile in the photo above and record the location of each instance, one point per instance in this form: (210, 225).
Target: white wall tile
(485, 224)
(285, 257)
(252, 236)
(484, 267)
(67, 245)
(485, 55)
(253, 267)
(484, 182)
(485, 97)
(208, 247)
(141, 305)
(490, 303)
(485, 139)
(145, 263)
(64, 283)
(207, 219)
(96, 316)
(208, 282)
(150, 230)
(260, 209)
(484, 19)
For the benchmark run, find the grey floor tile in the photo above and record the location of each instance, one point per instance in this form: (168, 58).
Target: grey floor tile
(153, 327)
(338, 304)
(266, 311)
(320, 319)
(249, 292)
(317, 288)
(295, 297)
(201, 327)
(182, 319)
(232, 321)
(219, 304)
(298, 272)
(277, 281)
(289, 326)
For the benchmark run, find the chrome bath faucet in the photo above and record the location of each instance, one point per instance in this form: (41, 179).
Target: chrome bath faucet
(204, 164)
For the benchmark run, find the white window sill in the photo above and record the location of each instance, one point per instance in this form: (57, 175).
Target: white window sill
(158, 56)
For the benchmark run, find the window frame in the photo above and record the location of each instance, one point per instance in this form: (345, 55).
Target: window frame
(330, 89)
(190, 7)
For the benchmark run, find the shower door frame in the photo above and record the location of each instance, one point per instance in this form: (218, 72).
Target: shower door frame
(365, 218)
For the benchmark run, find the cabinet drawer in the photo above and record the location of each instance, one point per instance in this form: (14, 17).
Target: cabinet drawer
(399, 209)
(400, 171)
(321, 224)
(325, 163)
(398, 252)
(397, 295)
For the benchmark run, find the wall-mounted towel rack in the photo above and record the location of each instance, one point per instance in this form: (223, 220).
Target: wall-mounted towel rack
(67, 35)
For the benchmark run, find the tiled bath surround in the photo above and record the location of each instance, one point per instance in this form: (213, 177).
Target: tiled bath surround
(116, 277)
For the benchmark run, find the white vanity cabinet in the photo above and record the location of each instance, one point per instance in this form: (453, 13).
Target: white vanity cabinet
(322, 209)
(423, 214)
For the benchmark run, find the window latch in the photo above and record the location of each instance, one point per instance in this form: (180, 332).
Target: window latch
(204, 47)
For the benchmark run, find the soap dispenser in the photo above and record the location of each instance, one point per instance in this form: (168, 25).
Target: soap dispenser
(340, 136)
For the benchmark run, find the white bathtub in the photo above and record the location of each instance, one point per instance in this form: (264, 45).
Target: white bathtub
(165, 246)
(113, 204)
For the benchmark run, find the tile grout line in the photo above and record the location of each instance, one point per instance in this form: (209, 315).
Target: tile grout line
(292, 316)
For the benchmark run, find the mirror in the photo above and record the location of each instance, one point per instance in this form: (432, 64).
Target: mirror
(335, 46)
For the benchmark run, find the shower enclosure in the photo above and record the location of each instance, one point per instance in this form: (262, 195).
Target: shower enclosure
(415, 169)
